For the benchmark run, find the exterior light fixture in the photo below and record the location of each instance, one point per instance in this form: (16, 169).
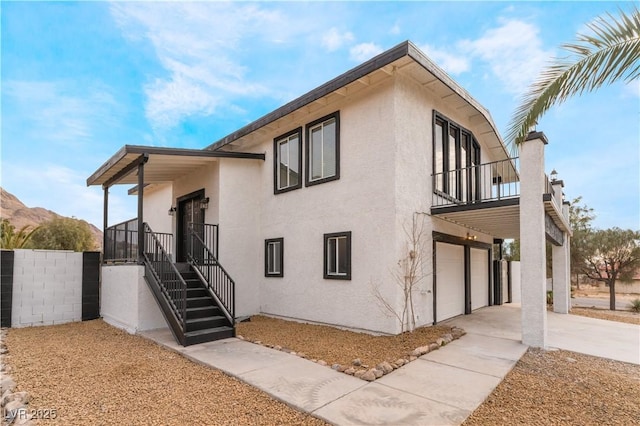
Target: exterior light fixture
(471, 237)
(204, 203)
(172, 211)
(554, 175)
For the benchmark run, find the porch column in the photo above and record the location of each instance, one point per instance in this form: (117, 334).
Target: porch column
(141, 164)
(562, 272)
(532, 240)
(105, 220)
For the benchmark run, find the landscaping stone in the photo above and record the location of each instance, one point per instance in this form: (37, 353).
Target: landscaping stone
(369, 375)
(350, 371)
(400, 362)
(357, 362)
(336, 367)
(377, 372)
(385, 367)
(433, 346)
(7, 383)
(440, 341)
(448, 338)
(322, 362)
(413, 358)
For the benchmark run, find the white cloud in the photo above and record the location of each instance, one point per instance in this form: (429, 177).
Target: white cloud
(333, 39)
(395, 30)
(363, 51)
(452, 63)
(56, 110)
(513, 52)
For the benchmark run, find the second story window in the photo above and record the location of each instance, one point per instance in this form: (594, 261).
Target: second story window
(323, 150)
(287, 161)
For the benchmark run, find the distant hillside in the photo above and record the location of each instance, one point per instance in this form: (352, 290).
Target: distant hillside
(20, 215)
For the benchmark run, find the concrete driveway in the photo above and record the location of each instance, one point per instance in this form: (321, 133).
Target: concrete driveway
(606, 339)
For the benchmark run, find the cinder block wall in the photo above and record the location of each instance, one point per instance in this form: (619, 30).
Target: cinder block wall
(49, 287)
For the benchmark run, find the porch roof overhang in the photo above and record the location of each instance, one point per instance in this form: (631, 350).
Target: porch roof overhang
(161, 164)
(500, 218)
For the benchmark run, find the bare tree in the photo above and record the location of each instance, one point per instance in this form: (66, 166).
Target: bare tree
(407, 276)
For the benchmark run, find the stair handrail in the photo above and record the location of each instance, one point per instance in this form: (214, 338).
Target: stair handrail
(167, 268)
(223, 288)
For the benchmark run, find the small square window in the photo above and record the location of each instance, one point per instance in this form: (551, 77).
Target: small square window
(287, 161)
(323, 150)
(273, 257)
(337, 256)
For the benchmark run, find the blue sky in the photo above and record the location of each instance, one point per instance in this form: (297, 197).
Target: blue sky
(79, 80)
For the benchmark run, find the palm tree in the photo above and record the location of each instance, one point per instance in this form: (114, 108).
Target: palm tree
(607, 55)
(10, 239)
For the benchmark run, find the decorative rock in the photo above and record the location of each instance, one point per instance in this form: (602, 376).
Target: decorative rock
(440, 341)
(385, 367)
(413, 358)
(423, 350)
(258, 342)
(359, 373)
(357, 362)
(457, 333)
(14, 406)
(415, 352)
(448, 338)
(277, 347)
(302, 355)
(394, 365)
(7, 383)
(342, 368)
(350, 371)
(22, 396)
(400, 362)
(240, 337)
(369, 375)
(378, 373)
(293, 353)
(314, 360)
(433, 346)
(335, 367)
(322, 362)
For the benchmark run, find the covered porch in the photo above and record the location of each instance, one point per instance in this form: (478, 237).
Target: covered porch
(514, 198)
(178, 259)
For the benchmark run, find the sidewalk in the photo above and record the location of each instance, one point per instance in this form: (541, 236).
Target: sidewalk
(440, 388)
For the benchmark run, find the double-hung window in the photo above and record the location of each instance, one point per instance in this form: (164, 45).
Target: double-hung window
(274, 257)
(323, 150)
(337, 256)
(287, 165)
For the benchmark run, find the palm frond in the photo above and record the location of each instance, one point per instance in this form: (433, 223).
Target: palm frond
(610, 53)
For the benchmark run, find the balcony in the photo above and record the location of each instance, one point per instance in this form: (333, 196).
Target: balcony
(486, 198)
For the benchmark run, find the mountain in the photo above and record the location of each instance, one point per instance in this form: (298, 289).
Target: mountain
(19, 215)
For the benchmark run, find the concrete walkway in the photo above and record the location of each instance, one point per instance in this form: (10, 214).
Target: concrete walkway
(440, 388)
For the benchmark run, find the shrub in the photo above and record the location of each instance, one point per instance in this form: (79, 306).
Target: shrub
(635, 305)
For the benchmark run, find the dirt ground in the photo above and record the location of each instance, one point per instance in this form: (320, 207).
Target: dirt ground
(93, 374)
(619, 316)
(336, 346)
(563, 388)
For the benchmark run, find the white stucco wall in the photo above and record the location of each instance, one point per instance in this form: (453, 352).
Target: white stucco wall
(516, 291)
(47, 287)
(156, 204)
(127, 301)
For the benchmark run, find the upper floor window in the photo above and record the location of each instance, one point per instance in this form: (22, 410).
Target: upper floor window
(287, 161)
(456, 153)
(323, 150)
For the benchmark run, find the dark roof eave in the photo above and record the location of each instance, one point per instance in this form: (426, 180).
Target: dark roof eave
(405, 48)
(151, 150)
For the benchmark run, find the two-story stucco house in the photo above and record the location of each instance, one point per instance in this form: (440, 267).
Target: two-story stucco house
(307, 213)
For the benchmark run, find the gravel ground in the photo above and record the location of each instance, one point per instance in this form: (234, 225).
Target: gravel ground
(337, 346)
(563, 388)
(94, 374)
(620, 316)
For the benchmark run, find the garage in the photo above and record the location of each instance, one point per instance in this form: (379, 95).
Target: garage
(479, 263)
(450, 298)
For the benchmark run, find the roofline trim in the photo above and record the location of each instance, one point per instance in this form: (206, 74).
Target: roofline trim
(178, 152)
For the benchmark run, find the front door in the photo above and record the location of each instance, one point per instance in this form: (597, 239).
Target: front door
(189, 211)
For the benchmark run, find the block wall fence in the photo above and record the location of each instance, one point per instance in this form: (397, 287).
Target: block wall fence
(46, 287)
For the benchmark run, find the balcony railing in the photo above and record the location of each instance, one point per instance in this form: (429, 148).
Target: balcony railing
(121, 242)
(498, 180)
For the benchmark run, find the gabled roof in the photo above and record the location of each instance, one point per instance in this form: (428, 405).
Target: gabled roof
(396, 56)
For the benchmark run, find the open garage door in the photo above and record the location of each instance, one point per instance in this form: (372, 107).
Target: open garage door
(449, 281)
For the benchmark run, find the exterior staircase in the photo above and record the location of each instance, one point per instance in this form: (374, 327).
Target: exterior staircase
(205, 321)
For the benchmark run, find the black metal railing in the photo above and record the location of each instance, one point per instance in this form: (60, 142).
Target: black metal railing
(204, 261)
(121, 242)
(208, 233)
(165, 273)
(492, 181)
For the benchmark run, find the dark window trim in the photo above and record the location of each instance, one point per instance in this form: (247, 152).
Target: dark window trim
(472, 151)
(307, 182)
(266, 257)
(276, 163)
(326, 275)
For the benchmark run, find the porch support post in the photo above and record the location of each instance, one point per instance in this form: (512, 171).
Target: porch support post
(562, 272)
(144, 158)
(105, 220)
(532, 240)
